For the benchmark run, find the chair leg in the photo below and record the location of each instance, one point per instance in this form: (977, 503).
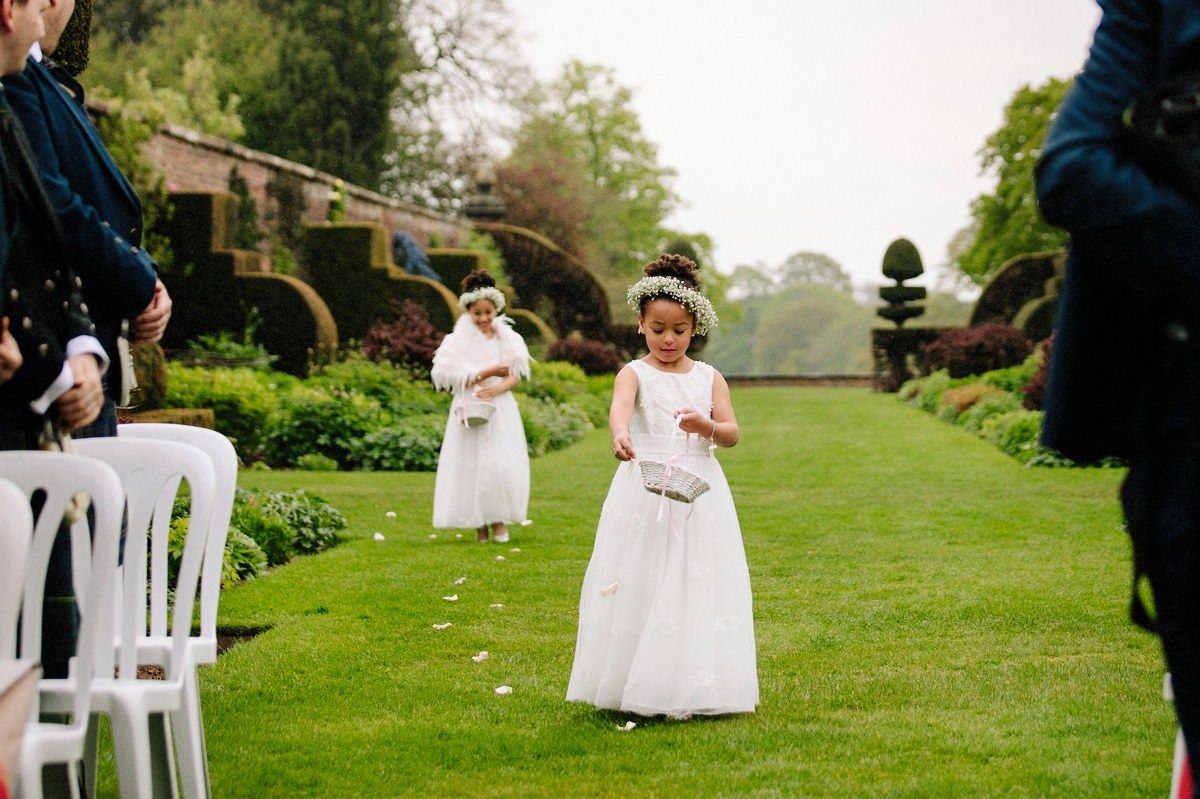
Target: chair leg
(142, 749)
(187, 725)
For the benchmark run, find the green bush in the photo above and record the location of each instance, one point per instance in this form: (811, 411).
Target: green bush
(550, 426)
(244, 559)
(1015, 433)
(973, 418)
(267, 529)
(411, 444)
(313, 523)
(562, 382)
(392, 386)
(316, 462)
(242, 400)
(328, 422)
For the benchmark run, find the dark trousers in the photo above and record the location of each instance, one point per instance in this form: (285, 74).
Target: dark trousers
(1161, 500)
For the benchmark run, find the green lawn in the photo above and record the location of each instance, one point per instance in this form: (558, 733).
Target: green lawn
(933, 620)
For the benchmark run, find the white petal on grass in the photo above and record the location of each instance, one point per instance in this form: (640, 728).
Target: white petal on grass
(515, 549)
(626, 727)
(496, 605)
(379, 536)
(442, 626)
(433, 535)
(458, 536)
(504, 690)
(482, 656)
(390, 514)
(527, 522)
(499, 557)
(451, 598)
(460, 581)
(608, 590)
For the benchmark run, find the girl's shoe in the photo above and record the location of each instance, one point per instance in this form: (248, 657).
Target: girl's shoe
(500, 535)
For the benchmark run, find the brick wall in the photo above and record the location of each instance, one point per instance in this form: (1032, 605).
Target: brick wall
(192, 161)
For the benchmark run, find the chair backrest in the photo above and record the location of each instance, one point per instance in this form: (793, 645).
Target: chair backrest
(59, 477)
(225, 465)
(151, 471)
(16, 532)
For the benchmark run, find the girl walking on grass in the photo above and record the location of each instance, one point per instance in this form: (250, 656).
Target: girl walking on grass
(483, 468)
(665, 618)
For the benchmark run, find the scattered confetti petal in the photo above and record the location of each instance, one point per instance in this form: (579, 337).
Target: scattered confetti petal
(504, 690)
(390, 514)
(499, 557)
(527, 522)
(451, 598)
(433, 535)
(515, 549)
(458, 536)
(608, 590)
(496, 605)
(482, 656)
(626, 727)
(379, 536)
(442, 626)
(460, 581)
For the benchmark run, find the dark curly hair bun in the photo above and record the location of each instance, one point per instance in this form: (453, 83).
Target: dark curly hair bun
(477, 279)
(676, 266)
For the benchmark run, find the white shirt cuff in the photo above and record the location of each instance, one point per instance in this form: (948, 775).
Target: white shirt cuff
(80, 345)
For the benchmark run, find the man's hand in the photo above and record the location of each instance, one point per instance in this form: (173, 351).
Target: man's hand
(82, 403)
(151, 323)
(10, 353)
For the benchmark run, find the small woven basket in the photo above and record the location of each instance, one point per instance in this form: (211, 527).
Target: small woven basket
(475, 413)
(679, 484)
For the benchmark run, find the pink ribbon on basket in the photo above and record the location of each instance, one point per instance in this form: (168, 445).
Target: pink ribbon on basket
(668, 467)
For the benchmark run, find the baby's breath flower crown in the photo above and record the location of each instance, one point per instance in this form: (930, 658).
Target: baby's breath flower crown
(664, 286)
(469, 298)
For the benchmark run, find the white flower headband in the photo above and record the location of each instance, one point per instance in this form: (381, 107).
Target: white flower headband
(469, 298)
(685, 295)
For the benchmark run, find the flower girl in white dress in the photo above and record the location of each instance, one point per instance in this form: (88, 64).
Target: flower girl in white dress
(483, 468)
(665, 618)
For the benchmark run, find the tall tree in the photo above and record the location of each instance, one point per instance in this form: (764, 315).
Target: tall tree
(814, 269)
(1006, 221)
(587, 118)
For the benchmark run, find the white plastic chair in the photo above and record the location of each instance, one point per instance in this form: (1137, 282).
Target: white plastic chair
(140, 709)
(94, 563)
(16, 531)
(1181, 767)
(188, 723)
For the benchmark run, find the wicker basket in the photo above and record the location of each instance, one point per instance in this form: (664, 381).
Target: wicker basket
(679, 484)
(475, 413)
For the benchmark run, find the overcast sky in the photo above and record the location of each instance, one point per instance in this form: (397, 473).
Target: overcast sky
(832, 126)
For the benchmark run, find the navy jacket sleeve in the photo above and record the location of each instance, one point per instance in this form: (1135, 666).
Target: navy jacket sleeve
(103, 231)
(1142, 229)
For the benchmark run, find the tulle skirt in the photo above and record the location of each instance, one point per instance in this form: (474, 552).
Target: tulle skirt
(665, 614)
(483, 472)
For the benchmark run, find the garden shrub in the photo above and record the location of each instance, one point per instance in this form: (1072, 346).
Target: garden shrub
(960, 398)
(926, 392)
(550, 426)
(1015, 433)
(565, 383)
(593, 357)
(1034, 390)
(964, 351)
(316, 462)
(326, 422)
(267, 529)
(393, 386)
(411, 443)
(408, 338)
(973, 419)
(313, 523)
(244, 559)
(242, 401)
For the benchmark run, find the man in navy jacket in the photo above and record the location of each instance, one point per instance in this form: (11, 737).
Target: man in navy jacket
(100, 212)
(1125, 365)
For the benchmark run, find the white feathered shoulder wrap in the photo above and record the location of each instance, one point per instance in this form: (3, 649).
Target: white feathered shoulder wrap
(462, 354)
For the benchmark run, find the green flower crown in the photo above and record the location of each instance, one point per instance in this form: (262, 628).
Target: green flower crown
(662, 286)
(467, 299)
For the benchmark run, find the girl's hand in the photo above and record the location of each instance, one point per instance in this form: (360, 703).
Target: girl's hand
(498, 370)
(10, 353)
(692, 421)
(485, 394)
(622, 447)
